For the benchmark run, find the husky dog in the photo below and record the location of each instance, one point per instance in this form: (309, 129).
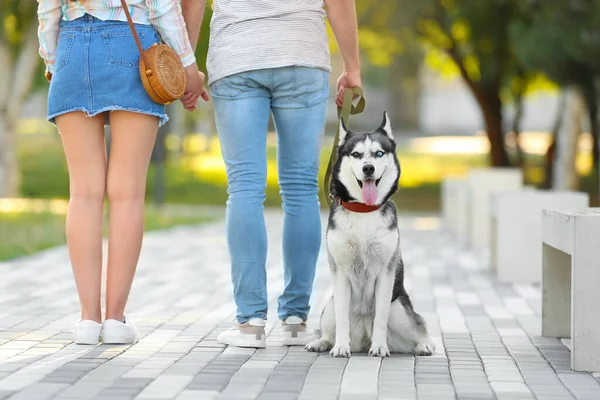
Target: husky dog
(370, 309)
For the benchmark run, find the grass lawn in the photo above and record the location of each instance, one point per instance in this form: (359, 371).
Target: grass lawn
(23, 233)
(198, 176)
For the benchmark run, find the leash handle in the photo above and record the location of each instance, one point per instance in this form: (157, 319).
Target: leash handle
(348, 108)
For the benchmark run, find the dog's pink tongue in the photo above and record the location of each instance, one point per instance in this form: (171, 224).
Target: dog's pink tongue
(369, 192)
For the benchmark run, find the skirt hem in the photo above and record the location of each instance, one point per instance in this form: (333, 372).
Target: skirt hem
(163, 117)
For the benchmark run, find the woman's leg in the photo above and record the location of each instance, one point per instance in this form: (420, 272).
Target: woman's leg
(299, 117)
(85, 150)
(132, 141)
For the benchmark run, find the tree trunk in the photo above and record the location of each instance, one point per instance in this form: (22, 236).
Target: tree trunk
(589, 94)
(592, 105)
(565, 174)
(212, 131)
(488, 99)
(178, 127)
(8, 163)
(406, 88)
(9, 170)
(549, 159)
(17, 77)
(550, 156)
(516, 128)
(491, 107)
(159, 157)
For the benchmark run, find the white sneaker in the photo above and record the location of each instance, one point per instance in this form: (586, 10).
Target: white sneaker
(87, 332)
(248, 334)
(296, 333)
(117, 332)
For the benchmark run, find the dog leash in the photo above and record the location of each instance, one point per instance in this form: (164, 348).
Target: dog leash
(347, 109)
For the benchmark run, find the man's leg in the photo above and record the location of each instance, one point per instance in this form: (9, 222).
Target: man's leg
(242, 115)
(299, 110)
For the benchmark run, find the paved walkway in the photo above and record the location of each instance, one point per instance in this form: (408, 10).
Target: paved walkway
(487, 333)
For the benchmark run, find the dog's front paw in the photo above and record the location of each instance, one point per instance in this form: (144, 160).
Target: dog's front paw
(425, 349)
(379, 350)
(340, 351)
(318, 345)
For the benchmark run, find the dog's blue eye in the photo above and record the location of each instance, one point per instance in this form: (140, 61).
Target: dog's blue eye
(379, 154)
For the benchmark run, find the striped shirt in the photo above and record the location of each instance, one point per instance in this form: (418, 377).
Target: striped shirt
(165, 15)
(255, 34)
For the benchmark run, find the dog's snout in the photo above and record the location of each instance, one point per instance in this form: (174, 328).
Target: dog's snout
(368, 169)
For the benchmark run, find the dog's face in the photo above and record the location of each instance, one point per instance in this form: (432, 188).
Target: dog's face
(367, 167)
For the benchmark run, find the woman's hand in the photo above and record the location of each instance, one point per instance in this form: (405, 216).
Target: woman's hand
(194, 88)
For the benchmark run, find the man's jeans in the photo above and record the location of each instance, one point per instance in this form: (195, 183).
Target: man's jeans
(243, 103)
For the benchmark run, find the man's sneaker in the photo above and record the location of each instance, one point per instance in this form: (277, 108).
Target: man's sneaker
(248, 334)
(87, 332)
(296, 333)
(117, 332)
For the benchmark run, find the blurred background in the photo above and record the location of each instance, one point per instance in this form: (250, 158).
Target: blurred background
(466, 82)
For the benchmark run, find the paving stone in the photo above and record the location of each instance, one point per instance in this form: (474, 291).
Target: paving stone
(39, 391)
(166, 386)
(198, 395)
(278, 396)
(131, 382)
(118, 394)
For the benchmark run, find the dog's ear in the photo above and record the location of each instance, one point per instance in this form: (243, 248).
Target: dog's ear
(386, 127)
(344, 132)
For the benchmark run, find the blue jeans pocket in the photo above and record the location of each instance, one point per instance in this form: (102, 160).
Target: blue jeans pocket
(230, 86)
(311, 85)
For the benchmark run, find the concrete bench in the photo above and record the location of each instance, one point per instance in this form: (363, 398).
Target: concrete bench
(516, 254)
(571, 282)
(455, 205)
(482, 182)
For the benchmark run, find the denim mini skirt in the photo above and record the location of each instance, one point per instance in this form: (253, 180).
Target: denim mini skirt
(97, 69)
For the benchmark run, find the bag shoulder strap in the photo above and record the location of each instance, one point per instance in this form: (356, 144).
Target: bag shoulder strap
(133, 31)
(347, 109)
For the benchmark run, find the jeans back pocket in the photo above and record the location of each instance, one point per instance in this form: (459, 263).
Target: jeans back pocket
(311, 85)
(231, 86)
(121, 48)
(63, 50)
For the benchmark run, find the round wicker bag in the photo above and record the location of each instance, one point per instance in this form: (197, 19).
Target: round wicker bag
(162, 74)
(161, 69)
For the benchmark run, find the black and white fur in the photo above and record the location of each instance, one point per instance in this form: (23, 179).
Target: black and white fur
(370, 309)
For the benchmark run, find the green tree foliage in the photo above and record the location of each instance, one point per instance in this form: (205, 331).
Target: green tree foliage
(474, 35)
(16, 16)
(202, 47)
(18, 64)
(388, 40)
(562, 39)
(464, 37)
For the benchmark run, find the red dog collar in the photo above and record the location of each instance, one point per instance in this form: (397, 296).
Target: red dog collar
(356, 207)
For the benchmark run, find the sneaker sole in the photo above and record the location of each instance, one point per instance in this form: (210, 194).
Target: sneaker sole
(107, 339)
(87, 338)
(241, 342)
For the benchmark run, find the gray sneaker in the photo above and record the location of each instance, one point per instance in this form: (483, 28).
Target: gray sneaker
(248, 334)
(296, 333)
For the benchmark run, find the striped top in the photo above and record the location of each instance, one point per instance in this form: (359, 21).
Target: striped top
(165, 15)
(255, 34)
